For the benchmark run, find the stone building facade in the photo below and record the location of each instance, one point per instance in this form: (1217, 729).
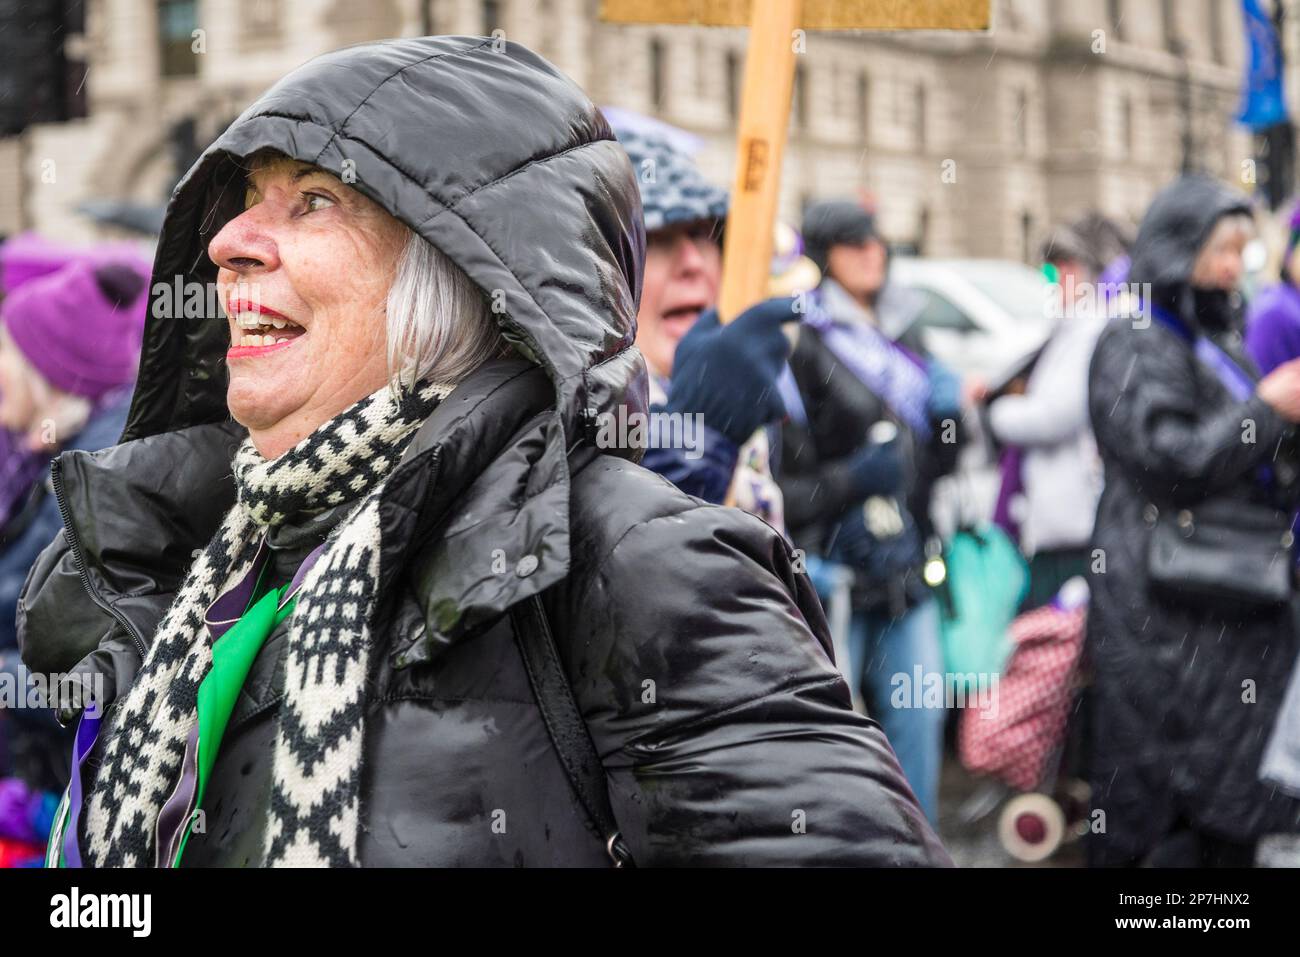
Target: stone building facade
(967, 144)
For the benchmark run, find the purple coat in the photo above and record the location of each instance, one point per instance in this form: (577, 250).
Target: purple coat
(1273, 327)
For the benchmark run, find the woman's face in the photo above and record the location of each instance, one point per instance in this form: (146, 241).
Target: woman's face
(315, 255)
(683, 266)
(1219, 264)
(17, 405)
(859, 269)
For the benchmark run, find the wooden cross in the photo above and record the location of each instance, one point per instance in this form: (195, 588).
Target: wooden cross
(765, 100)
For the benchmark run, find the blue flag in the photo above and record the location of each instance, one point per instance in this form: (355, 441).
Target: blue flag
(1263, 103)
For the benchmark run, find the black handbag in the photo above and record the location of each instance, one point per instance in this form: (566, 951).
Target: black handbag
(1222, 555)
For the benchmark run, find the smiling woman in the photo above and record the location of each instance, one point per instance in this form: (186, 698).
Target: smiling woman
(307, 336)
(374, 595)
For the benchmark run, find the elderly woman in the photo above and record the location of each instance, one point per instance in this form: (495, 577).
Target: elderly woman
(1191, 627)
(362, 587)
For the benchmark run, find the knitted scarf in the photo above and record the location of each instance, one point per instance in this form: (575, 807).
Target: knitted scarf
(316, 764)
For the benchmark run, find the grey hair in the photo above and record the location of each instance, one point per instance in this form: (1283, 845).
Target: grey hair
(439, 323)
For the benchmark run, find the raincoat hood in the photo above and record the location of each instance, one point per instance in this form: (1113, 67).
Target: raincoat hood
(481, 147)
(1175, 228)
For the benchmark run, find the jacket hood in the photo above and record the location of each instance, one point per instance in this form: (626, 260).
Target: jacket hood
(480, 146)
(1175, 227)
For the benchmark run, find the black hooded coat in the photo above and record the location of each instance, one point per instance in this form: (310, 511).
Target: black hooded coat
(696, 651)
(1183, 698)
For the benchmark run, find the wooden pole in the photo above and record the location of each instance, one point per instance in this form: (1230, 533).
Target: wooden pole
(764, 117)
(765, 100)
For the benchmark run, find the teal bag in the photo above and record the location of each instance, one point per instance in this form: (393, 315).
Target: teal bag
(987, 579)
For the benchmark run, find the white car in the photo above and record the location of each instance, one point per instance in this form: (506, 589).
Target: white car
(982, 318)
(977, 316)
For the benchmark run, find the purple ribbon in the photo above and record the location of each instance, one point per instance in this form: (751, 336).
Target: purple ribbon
(1011, 483)
(219, 618)
(176, 813)
(87, 733)
(227, 609)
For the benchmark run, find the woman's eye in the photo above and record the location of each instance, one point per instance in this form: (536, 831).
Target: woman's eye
(316, 201)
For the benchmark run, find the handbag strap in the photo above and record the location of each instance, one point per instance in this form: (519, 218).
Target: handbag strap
(565, 725)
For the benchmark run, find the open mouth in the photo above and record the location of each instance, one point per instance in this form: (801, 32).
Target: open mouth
(260, 330)
(683, 316)
(263, 330)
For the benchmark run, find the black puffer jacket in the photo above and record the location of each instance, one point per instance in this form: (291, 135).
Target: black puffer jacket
(697, 655)
(1174, 733)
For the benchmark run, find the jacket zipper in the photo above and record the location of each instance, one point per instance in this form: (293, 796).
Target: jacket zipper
(79, 558)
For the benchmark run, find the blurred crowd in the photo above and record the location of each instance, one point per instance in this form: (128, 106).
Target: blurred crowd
(1112, 647)
(71, 322)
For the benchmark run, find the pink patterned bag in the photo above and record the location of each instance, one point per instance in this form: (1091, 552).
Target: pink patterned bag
(1016, 732)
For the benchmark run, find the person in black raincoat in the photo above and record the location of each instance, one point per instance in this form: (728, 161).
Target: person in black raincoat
(518, 563)
(1185, 691)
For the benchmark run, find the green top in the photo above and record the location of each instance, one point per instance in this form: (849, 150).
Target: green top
(232, 657)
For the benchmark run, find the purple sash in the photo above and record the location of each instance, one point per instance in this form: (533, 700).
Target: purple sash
(1234, 378)
(882, 366)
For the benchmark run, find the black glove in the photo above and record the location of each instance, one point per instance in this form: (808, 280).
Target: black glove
(728, 373)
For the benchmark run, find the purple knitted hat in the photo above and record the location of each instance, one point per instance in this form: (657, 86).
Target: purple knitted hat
(29, 256)
(81, 327)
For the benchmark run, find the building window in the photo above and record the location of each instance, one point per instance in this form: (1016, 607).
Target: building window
(177, 21)
(864, 106)
(1115, 13)
(491, 17)
(734, 80)
(1126, 124)
(1217, 52)
(260, 20)
(1022, 120)
(658, 95)
(701, 69)
(1026, 236)
(920, 117)
(1169, 27)
(800, 97)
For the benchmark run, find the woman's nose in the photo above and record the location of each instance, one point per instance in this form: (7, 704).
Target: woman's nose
(688, 256)
(245, 245)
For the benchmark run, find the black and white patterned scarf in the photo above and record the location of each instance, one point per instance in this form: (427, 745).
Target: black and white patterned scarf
(316, 765)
